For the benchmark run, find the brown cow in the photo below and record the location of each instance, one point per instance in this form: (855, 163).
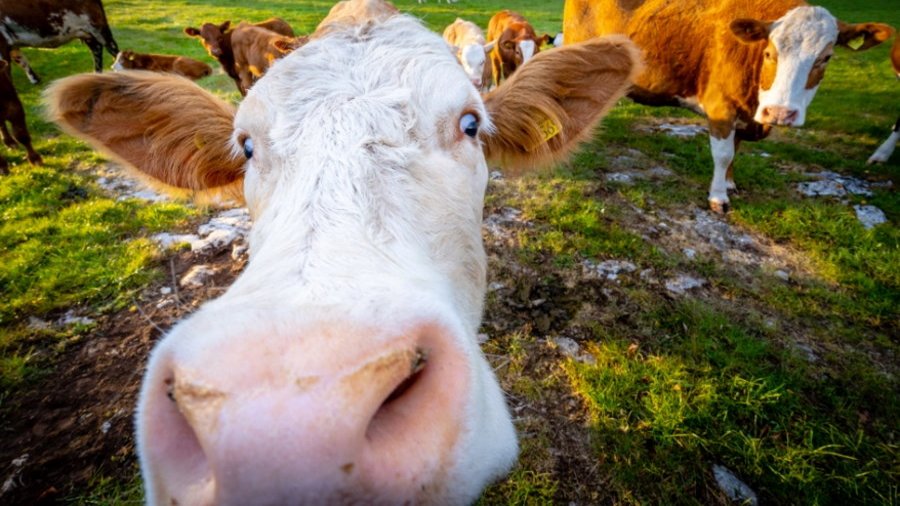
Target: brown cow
(515, 43)
(886, 149)
(51, 23)
(745, 64)
(216, 39)
(255, 49)
(182, 65)
(11, 110)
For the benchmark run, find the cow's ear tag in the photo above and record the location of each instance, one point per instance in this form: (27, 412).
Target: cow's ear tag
(857, 42)
(549, 129)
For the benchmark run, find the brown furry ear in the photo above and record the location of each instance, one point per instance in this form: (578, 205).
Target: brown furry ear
(862, 36)
(554, 102)
(285, 45)
(190, 31)
(164, 126)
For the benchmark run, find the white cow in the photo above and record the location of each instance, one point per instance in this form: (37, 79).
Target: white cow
(342, 366)
(466, 40)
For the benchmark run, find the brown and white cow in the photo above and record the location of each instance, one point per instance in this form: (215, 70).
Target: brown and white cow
(515, 43)
(11, 111)
(342, 367)
(216, 39)
(467, 41)
(884, 152)
(181, 65)
(746, 64)
(52, 23)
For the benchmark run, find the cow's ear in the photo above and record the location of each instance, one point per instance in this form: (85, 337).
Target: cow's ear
(489, 46)
(191, 31)
(554, 102)
(286, 44)
(164, 126)
(862, 36)
(224, 26)
(750, 31)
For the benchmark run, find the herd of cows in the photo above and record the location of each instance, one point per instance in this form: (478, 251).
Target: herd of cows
(343, 363)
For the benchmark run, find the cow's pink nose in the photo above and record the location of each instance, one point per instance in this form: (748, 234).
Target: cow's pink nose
(354, 417)
(777, 115)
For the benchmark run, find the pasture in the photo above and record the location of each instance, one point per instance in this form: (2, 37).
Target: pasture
(780, 364)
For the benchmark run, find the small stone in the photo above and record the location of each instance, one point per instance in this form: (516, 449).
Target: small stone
(869, 216)
(496, 175)
(734, 488)
(35, 323)
(567, 346)
(166, 240)
(682, 131)
(71, 319)
(493, 287)
(660, 172)
(609, 269)
(682, 283)
(620, 177)
(105, 427)
(239, 249)
(166, 290)
(689, 253)
(197, 276)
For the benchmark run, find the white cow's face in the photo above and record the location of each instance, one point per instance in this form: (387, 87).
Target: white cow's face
(356, 318)
(798, 47)
(472, 58)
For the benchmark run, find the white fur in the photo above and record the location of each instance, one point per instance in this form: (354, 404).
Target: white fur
(723, 154)
(799, 36)
(527, 49)
(367, 204)
(117, 65)
(884, 152)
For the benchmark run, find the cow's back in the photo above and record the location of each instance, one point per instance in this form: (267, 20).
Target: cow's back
(30, 23)
(682, 42)
(895, 55)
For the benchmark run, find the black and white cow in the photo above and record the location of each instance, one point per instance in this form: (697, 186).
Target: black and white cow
(52, 23)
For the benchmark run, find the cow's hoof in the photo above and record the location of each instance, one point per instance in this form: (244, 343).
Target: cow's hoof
(719, 206)
(875, 159)
(730, 186)
(35, 159)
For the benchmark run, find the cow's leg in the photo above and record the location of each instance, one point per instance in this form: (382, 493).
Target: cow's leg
(21, 61)
(20, 132)
(722, 145)
(751, 132)
(7, 139)
(96, 48)
(886, 149)
(496, 68)
(4, 166)
(108, 41)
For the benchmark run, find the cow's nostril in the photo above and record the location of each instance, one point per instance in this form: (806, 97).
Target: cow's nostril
(404, 391)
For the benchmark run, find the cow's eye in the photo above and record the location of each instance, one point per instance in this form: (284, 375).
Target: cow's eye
(768, 55)
(468, 124)
(248, 148)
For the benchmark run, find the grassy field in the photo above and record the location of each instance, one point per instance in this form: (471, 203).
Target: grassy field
(792, 385)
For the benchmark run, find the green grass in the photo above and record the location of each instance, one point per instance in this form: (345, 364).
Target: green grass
(679, 384)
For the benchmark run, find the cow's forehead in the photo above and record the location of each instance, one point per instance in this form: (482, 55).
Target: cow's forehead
(397, 62)
(805, 31)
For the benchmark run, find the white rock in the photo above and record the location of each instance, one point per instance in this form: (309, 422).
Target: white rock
(166, 240)
(609, 269)
(567, 346)
(734, 488)
(682, 131)
(35, 323)
(197, 276)
(689, 253)
(496, 175)
(682, 283)
(620, 177)
(783, 275)
(70, 319)
(165, 290)
(869, 216)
